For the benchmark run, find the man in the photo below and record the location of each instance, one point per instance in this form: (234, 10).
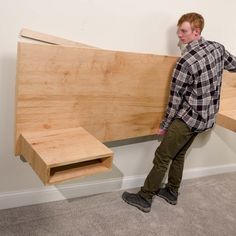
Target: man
(192, 108)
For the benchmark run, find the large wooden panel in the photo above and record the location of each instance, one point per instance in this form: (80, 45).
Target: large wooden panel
(114, 95)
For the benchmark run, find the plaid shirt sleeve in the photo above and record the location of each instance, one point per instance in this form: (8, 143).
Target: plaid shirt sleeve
(180, 80)
(229, 62)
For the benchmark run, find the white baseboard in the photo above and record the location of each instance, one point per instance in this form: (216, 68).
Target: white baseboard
(207, 171)
(55, 193)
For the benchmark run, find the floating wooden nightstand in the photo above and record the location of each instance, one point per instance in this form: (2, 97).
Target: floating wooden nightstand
(59, 155)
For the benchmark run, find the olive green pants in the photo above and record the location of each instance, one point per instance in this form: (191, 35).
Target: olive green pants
(173, 147)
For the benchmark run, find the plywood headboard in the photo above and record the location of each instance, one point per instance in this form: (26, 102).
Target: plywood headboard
(113, 95)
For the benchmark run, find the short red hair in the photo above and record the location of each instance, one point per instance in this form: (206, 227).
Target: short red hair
(196, 20)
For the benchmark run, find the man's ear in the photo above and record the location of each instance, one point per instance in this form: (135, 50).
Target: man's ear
(197, 31)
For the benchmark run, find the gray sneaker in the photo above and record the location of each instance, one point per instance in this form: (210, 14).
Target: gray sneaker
(168, 194)
(136, 200)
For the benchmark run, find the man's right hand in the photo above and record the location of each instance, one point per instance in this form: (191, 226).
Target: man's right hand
(161, 132)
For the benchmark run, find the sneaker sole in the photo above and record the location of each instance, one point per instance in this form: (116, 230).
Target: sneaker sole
(146, 210)
(168, 200)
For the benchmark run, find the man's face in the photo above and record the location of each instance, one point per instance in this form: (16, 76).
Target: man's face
(186, 34)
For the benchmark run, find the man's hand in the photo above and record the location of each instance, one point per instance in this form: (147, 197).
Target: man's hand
(161, 132)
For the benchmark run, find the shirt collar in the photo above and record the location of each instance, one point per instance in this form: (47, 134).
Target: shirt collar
(195, 43)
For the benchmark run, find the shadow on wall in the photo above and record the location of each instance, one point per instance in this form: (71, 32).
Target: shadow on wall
(99, 183)
(172, 45)
(202, 139)
(7, 104)
(227, 136)
(129, 141)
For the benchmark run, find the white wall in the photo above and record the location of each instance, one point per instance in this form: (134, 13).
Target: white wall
(129, 25)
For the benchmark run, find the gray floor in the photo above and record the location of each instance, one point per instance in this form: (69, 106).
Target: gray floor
(207, 206)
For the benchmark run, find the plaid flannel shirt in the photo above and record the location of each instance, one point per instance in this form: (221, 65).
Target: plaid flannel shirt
(196, 83)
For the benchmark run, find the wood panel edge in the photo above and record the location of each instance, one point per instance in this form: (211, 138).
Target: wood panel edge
(50, 39)
(35, 161)
(226, 122)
